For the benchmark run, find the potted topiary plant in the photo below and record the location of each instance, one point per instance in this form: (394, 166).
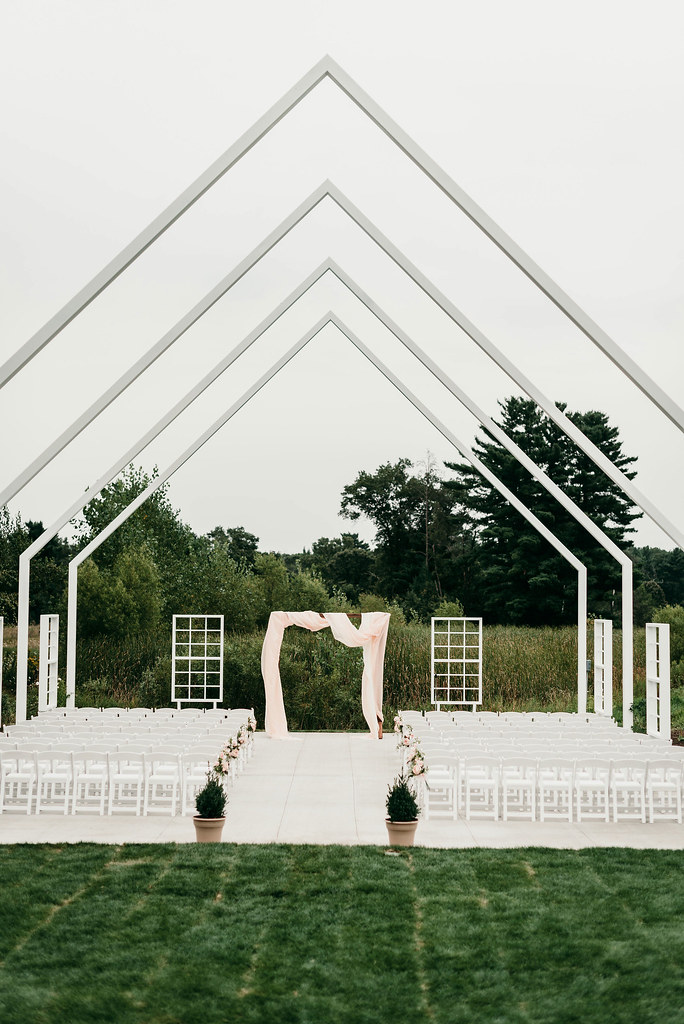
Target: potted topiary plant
(402, 812)
(211, 805)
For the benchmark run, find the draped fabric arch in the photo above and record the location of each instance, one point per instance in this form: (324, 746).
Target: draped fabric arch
(371, 635)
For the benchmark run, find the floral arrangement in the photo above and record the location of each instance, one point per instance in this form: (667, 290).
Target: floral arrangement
(414, 759)
(228, 755)
(251, 725)
(415, 762)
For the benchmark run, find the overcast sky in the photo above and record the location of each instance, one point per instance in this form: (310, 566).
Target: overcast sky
(563, 121)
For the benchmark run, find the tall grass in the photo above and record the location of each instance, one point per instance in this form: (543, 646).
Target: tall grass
(523, 669)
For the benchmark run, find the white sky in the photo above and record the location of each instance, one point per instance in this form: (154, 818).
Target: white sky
(564, 122)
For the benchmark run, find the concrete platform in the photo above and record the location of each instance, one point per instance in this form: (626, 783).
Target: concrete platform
(328, 788)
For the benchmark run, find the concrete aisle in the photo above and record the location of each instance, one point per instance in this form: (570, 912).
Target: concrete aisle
(327, 788)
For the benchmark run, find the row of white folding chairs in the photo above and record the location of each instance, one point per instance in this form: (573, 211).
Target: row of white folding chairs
(225, 726)
(529, 787)
(122, 709)
(532, 718)
(637, 742)
(562, 747)
(89, 779)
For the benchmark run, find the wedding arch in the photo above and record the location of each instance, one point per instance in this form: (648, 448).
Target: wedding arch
(371, 635)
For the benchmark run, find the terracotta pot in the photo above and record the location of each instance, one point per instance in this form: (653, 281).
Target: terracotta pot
(401, 833)
(208, 830)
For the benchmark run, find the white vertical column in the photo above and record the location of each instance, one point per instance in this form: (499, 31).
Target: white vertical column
(658, 679)
(627, 646)
(582, 641)
(48, 666)
(2, 650)
(72, 606)
(603, 667)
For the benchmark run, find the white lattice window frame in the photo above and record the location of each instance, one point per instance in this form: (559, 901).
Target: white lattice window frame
(48, 666)
(603, 667)
(197, 660)
(456, 662)
(658, 679)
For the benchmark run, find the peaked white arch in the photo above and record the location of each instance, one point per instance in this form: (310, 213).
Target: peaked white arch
(331, 266)
(464, 450)
(328, 68)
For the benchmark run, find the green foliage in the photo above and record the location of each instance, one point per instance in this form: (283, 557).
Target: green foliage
(345, 564)
(211, 799)
(401, 801)
(520, 578)
(122, 599)
(48, 568)
(674, 616)
(418, 533)
(241, 546)
(664, 570)
(448, 610)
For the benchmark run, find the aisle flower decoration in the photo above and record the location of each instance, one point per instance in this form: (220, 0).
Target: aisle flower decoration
(227, 758)
(415, 762)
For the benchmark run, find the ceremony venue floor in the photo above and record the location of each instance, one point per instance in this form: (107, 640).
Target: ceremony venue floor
(328, 788)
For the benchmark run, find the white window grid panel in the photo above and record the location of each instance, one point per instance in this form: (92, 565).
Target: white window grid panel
(658, 679)
(197, 660)
(603, 667)
(456, 661)
(48, 666)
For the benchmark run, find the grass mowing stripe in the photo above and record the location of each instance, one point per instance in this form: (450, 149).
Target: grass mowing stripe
(419, 943)
(32, 898)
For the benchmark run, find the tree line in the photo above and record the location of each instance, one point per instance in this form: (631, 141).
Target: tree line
(444, 541)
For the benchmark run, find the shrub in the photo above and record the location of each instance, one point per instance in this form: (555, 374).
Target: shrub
(211, 799)
(401, 801)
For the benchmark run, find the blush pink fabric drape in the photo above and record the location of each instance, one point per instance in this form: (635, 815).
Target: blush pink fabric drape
(371, 635)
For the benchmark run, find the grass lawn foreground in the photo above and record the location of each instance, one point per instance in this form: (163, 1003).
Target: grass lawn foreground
(201, 933)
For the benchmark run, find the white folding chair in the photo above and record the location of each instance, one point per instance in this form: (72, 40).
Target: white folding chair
(53, 778)
(555, 779)
(441, 785)
(481, 775)
(194, 768)
(628, 788)
(518, 786)
(126, 771)
(664, 789)
(17, 777)
(592, 788)
(89, 780)
(163, 780)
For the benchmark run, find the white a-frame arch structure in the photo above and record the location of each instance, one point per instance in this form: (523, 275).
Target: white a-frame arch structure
(464, 449)
(331, 267)
(328, 69)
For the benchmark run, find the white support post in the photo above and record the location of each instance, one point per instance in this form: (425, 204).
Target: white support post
(627, 647)
(48, 666)
(2, 652)
(582, 641)
(603, 667)
(72, 612)
(658, 680)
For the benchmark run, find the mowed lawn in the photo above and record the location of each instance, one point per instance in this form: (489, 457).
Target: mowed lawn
(203, 933)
